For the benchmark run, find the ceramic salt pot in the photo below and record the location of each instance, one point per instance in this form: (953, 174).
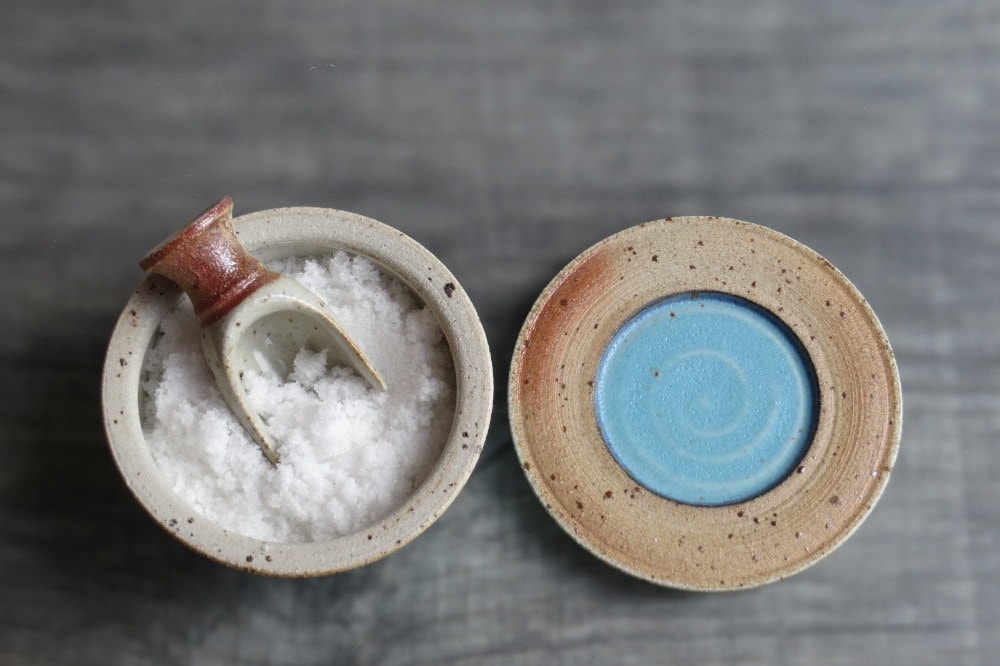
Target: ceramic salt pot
(705, 403)
(385, 259)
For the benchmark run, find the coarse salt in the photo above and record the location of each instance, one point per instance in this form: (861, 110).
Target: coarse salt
(350, 454)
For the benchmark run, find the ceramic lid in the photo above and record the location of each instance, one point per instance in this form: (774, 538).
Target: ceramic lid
(813, 503)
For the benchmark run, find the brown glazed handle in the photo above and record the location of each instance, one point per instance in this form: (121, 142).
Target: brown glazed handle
(206, 260)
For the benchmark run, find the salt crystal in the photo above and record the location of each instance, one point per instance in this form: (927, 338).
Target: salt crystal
(350, 454)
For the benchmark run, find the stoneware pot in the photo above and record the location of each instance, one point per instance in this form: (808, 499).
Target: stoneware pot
(705, 403)
(280, 233)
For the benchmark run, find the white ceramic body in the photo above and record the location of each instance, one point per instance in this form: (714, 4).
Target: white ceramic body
(273, 234)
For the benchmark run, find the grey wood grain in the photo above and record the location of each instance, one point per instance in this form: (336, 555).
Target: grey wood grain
(506, 137)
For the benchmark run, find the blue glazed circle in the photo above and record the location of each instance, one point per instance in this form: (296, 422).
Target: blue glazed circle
(706, 399)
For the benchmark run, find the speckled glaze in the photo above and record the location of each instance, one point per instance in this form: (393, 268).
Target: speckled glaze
(273, 234)
(745, 544)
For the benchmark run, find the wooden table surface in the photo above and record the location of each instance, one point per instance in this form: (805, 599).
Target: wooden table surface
(506, 137)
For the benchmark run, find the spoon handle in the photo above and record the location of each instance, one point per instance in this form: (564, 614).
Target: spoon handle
(206, 260)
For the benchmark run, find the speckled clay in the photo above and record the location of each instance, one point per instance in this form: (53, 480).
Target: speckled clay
(273, 234)
(771, 536)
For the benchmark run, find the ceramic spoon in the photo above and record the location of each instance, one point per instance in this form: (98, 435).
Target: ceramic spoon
(248, 313)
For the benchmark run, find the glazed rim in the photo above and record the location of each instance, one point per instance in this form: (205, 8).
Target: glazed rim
(277, 233)
(771, 536)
